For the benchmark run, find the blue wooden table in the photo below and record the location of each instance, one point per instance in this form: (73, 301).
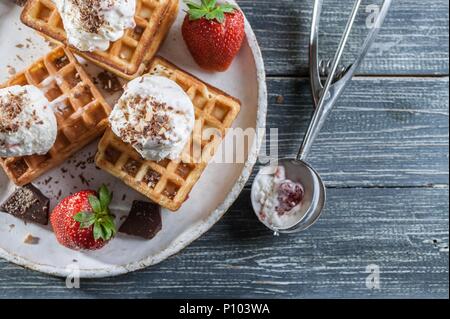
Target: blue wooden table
(383, 154)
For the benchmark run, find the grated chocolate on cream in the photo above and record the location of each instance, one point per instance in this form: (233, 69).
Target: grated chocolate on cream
(156, 125)
(10, 108)
(90, 14)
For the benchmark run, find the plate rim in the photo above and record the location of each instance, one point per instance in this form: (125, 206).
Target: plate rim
(198, 229)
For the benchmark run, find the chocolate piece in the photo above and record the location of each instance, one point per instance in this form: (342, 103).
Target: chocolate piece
(31, 240)
(109, 82)
(29, 204)
(61, 62)
(144, 220)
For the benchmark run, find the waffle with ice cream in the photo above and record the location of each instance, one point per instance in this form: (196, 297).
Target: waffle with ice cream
(153, 150)
(49, 111)
(118, 35)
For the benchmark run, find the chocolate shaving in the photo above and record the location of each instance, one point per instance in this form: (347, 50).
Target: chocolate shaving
(156, 121)
(11, 105)
(91, 16)
(11, 70)
(109, 82)
(31, 240)
(84, 180)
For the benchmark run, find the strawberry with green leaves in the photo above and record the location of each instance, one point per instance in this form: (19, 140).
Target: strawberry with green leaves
(83, 221)
(214, 33)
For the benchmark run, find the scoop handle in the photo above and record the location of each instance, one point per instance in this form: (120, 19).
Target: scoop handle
(325, 97)
(324, 107)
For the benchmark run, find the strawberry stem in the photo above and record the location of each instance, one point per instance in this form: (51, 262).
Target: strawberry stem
(209, 10)
(100, 218)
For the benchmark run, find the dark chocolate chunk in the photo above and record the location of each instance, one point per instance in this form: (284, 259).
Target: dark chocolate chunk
(31, 240)
(61, 62)
(29, 204)
(144, 220)
(109, 82)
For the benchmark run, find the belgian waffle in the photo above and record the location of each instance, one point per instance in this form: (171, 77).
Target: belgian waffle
(168, 183)
(127, 56)
(81, 112)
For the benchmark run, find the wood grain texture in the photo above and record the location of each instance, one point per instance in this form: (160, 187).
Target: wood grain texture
(414, 38)
(383, 154)
(383, 131)
(403, 231)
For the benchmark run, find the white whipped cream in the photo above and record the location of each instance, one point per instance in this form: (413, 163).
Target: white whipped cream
(266, 194)
(92, 24)
(155, 116)
(27, 122)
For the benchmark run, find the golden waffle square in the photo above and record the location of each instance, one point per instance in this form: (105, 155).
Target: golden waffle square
(81, 112)
(168, 183)
(125, 57)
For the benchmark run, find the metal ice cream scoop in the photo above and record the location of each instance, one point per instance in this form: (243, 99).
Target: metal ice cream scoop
(325, 97)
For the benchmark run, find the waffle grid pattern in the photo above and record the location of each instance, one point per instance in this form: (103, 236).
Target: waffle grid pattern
(125, 57)
(80, 110)
(169, 183)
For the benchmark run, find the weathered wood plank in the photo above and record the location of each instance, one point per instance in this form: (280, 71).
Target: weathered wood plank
(383, 132)
(403, 231)
(414, 39)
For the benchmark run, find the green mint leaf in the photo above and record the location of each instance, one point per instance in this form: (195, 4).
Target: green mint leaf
(95, 203)
(105, 197)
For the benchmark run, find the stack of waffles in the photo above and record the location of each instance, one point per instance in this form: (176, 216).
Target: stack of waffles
(82, 113)
(127, 56)
(168, 183)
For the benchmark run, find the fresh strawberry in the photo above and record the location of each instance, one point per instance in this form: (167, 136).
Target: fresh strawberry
(213, 33)
(82, 221)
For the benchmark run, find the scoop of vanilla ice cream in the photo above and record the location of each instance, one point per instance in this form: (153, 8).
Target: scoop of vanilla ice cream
(92, 24)
(155, 116)
(266, 193)
(27, 122)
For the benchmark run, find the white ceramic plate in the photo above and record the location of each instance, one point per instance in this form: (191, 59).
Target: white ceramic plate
(217, 189)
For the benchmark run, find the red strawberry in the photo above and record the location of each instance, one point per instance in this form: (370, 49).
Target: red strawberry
(83, 221)
(213, 33)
